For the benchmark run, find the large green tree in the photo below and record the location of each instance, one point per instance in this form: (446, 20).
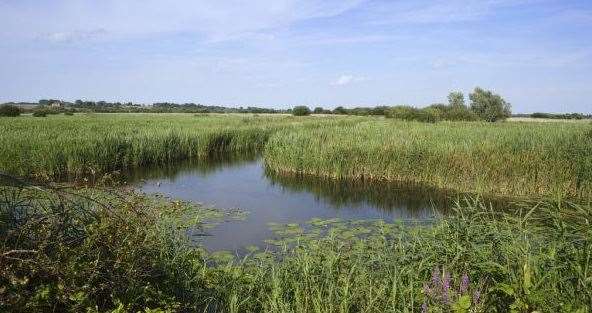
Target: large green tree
(489, 106)
(456, 99)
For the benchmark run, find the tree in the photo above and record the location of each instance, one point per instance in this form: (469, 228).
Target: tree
(489, 106)
(318, 110)
(301, 110)
(456, 99)
(9, 110)
(339, 110)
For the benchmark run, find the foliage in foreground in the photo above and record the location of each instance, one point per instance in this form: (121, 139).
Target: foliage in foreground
(60, 254)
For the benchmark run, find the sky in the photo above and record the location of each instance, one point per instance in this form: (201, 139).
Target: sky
(537, 54)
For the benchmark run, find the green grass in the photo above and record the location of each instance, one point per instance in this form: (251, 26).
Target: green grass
(89, 144)
(61, 252)
(508, 159)
(503, 159)
(72, 255)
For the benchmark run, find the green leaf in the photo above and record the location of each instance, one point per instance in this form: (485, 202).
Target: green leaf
(462, 305)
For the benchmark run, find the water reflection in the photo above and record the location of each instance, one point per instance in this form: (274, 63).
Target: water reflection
(232, 182)
(382, 195)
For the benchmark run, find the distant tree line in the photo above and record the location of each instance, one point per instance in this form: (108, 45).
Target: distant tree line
(484, 105)
(557, 116)
(165, 107)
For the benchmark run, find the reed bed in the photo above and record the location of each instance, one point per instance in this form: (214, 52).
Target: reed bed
(508, 159)
(126, 253)
(92, 144)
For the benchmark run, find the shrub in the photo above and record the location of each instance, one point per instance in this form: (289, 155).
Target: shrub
(71, 252)
(407, 113)
(540, 115)
(401, 112)
(40, 113)
(9, 110)
(455, 112)
(301, 111)
(429, 115)
(489, 106)
(339, 110)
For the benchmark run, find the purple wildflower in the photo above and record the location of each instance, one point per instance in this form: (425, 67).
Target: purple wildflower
(476, 297)
(427, 290)
(464, 284)
(445, 286)
(424, 308)
(436, 277)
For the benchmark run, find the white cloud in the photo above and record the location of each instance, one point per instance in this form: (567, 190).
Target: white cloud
(347, 79)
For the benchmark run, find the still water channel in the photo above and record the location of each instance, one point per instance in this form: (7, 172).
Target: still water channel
(244, 184)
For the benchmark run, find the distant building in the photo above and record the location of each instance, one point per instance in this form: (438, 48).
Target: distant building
(56, 104)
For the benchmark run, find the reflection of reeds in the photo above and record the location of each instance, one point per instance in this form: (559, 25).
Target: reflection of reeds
(508, 159)
(384, 195)
(207, 165)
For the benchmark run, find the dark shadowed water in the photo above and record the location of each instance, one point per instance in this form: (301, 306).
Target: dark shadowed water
(244, 184)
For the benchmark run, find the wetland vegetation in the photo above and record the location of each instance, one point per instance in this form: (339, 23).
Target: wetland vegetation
(104, 248)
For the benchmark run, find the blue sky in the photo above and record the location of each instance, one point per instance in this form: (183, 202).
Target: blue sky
(280, 53)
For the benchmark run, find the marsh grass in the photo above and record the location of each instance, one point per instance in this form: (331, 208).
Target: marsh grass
(523, 262)
(93, 144)
(503, 159)
(73, 250)
(129, 253)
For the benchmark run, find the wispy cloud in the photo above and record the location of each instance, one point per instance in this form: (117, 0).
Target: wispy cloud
(73, 36)
(345, 79)
(290, 51)
(440, 11)
(216, 20)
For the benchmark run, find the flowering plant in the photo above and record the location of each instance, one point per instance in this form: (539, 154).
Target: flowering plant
(443, 293)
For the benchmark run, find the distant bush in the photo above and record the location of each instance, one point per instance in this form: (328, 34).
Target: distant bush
(402, 112)
(69, 113)
(339, 110)
(407, 113)
(455, 112)
(429, 115)
(564, 116)
(43, 111)
(301, 111)
(9, 110)
(318, 110)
